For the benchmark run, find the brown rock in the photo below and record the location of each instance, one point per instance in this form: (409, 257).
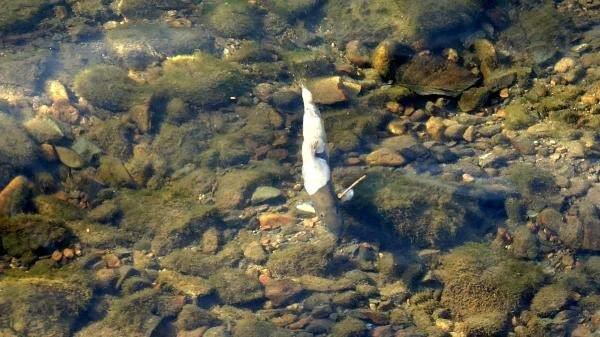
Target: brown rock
(48, 153)
(356, 54)
(385, 157)
(14, 196)
(68, 253)
(281, 292)
(68, 157)
(268, 221)
(469, 134)
(435, 128)
(331, 90)
(486, 53)
(57, 255)
(455, 132)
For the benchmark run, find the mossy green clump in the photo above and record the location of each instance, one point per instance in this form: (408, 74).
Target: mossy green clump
(238, 143)
(32, 235)
(525, 244)
(301, 258)
(93, 9)
(518, 117)
(308, 63)
(139, 44)
(54, 208)
(197, 263)
(254, 328)
(192, 317)
(201, 80)
(107, 87)
(291, 9)
(485, 325)
(177, 111)
(233, 286)
(550, 299)
(537, 186)
(99, 236)
(113, 136)
(20, 15)
(17, 150)
(48, 304)
(478, 279)
(401, 20)
(235, 187)
(234, 19)
(441, 217)
(144, 9)
(171, 219)
(179, 145)
(349, 327)
(140, 311)
(348, 129)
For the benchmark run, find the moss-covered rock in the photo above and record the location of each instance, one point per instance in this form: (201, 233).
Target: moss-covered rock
(32, 235)
(478, 279)
(308, 63)
(93, 9)
(17, 150)
(402, 20)
(197, 263)
(179, 145)
(200, 79)
(349, 327)
(234, 19)
(254, 328)
(21, 15)
(113, 137)
(550, 299)
(233, 286)
(135, 315)
(485, 325)
(301, 258)
(236, 186)
(107, 87)
(541, 31)
(442, 217)
(173, 220)
(519, 117)
(192, 317)
(347, 130)
(143, 9)
(47, 304)
(537, 186)
(54, 208)
(291, 10)
(138, 45)
(21, 71)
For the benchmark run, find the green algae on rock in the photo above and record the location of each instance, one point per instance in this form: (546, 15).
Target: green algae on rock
(108, 87)
(301, 258)
(47, 304)
(143, 9)
(402, 20)
(17, 150)
(21, 15)
(197, 263)
(29, 236)
(478, 279)
(201, 80)
(234, 19)
(437, 218)
(233, 286)
(138, 45)
(289, 9)
(254, 328)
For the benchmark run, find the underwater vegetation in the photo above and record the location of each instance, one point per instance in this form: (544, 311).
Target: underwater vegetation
(151, 168)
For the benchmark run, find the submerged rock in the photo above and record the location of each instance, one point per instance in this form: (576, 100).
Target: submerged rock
(138, 45)
(200, 79)
(107, 87)
(39, 305)
(480, 280)
(430, 75)
(21, 15)
(234, 19)
(447, 214)
(16, 148)
(402, 20)
(330, 90)
(235, 287)
(15, 196)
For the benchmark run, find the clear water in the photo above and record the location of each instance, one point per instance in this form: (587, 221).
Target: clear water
(151, 168)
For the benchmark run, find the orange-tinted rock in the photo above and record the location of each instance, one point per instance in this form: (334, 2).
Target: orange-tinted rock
(14, 196)
(270, 221)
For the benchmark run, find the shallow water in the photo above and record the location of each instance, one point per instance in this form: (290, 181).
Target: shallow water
(151, 185)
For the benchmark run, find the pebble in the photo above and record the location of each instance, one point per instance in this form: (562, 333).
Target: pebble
(69, 157)
(264, 194)
(563, 65)
(385, 157)
(268, 221)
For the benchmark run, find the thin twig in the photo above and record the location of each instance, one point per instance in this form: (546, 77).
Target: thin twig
(341, 194)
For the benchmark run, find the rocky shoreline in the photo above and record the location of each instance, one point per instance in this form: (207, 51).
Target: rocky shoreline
(151, 175)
